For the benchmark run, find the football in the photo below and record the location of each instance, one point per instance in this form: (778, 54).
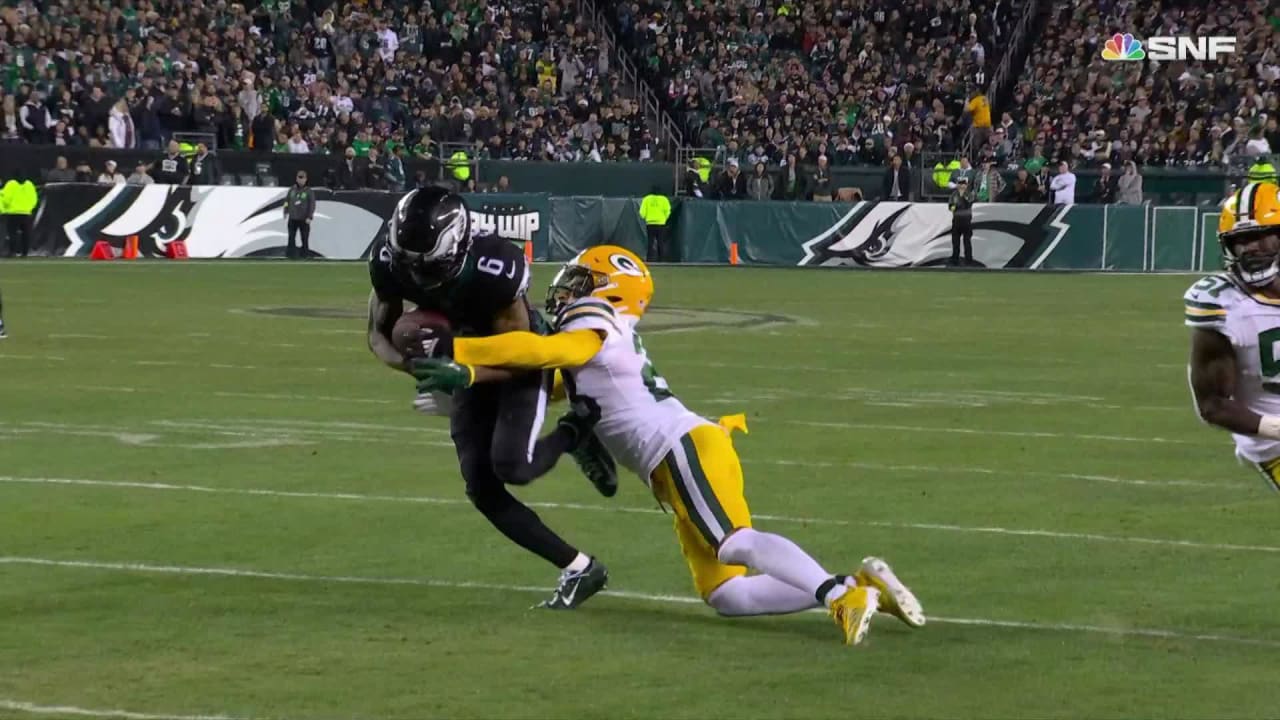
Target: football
(405, 333)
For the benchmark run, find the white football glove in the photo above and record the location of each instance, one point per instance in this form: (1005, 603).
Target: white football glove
(434, 403)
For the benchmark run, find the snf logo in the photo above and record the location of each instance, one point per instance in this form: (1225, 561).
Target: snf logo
(1125, 47)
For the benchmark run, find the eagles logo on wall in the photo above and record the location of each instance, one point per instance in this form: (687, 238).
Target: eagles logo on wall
(219, 222)
(900, 234)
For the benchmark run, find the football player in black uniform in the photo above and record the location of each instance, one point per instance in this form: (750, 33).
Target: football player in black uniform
(430, 259)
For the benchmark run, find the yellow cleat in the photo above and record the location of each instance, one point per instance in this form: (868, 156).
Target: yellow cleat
(852, 612)
(895, 598)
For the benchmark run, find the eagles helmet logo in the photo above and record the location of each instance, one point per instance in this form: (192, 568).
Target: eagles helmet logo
(217, 221)
(898, 234)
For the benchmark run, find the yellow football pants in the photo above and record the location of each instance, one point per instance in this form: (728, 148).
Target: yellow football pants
(1271, 471)
(701, 480)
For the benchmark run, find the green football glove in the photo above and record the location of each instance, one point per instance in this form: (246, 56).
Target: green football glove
(441, 375)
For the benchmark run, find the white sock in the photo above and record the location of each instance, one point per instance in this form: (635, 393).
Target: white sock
(777, 556)
(579, 563)
(759, 595)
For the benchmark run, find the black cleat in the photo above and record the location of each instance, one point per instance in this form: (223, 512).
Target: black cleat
(576, 588)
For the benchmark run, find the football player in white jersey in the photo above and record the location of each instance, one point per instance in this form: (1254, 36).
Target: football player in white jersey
(688, 462)
(1235, 336)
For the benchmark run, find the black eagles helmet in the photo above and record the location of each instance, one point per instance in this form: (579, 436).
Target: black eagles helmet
(430, 234)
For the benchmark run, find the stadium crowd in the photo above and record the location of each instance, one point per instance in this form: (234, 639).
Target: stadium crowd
(782, 90)
(853, 80)
(517, 79)
(1072, 105)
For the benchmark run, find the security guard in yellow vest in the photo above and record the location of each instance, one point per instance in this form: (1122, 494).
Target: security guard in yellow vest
(655, 210)
(704, 170)
(1262, 171)
(460, 167)
(952, 167)
(18, 201)
(941, 175)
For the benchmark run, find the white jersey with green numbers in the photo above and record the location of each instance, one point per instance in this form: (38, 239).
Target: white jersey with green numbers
(640, 420)
(1252, 323)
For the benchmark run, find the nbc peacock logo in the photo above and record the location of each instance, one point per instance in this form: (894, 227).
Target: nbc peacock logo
(1123, 47)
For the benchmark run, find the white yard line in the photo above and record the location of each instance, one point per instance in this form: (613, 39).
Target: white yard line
(175, 363)
(255, 436)
(939, 527)
(71, 710)
(972, 470)
(650, 597)
(1007, 433)
(318, 398)
(363, 432)
(39, 358)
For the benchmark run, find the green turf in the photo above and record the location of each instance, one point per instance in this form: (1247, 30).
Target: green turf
(163, 374)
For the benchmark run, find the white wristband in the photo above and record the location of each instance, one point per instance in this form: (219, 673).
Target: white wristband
(1269, 427)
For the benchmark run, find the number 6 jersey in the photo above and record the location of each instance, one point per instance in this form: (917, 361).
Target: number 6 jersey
(640, 420)
(1251, 322)
(493, 276)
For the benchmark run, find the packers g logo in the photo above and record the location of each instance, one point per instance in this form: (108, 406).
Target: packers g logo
(625, 265)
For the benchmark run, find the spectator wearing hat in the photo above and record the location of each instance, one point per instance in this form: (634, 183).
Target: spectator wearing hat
(1106, 188)
(109, 176)
(139, 176)
(961, 206)
(732, 184)
(989, 183)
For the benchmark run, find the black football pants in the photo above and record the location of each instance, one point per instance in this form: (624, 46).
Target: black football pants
(961, 233)
(495, 431)
(296, 227)
(19, 227)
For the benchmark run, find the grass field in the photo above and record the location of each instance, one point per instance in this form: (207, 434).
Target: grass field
(207, 509)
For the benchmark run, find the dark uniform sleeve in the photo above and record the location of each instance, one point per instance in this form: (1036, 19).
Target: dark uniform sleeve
(380, 275)
(499, 277)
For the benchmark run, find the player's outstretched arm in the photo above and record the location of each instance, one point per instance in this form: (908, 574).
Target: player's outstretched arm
(382, 319)
(497, 358)
(529, 351)
(1213, 383)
